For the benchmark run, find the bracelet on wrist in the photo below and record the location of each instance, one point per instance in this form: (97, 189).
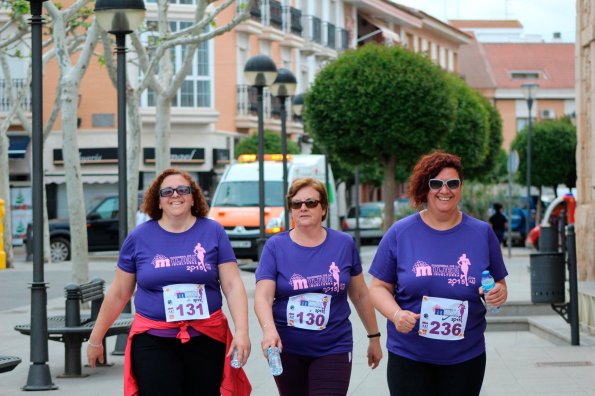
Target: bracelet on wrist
(94, 345)
(374, 335)
(395, 314)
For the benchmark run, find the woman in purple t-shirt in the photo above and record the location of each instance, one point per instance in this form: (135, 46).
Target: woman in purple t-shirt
(180, 262)
(427, 282)
(303, 280)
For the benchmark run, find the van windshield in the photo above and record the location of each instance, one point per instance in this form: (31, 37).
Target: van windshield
(243, 194)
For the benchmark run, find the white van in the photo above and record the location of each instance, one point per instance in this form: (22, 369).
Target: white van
(235, 202)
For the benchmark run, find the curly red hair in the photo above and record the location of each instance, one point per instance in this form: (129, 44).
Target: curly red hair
(428, 168)
(150, 204)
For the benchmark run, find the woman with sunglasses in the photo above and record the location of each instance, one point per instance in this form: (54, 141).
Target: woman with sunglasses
(427, 282)
(179, 262)
(303, 280)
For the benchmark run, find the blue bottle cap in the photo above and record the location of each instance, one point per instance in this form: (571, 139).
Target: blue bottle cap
(485, 273)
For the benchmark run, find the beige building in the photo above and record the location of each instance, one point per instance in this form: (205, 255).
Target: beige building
(499, 69)
(215, 108)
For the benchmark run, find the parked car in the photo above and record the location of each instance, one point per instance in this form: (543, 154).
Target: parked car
(371, 218)
(102, 230)
(551, 217)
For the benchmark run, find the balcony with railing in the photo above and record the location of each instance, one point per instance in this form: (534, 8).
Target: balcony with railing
(343, 43)
(331, 41)
(292, 27)
(17, 85)
(247, 108)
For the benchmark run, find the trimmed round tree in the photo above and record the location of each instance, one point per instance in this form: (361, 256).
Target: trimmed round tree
(553, 154)
(380, 104)
(272, 145)
(469, 136)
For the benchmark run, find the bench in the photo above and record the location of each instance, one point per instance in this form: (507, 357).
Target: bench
(74, 328)
(8, 363)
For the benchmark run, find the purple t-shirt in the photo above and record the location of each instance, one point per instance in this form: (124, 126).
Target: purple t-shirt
(421, 261)
(326, 269)
(158, 258)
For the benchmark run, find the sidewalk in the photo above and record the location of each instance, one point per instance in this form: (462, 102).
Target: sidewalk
(520, 362)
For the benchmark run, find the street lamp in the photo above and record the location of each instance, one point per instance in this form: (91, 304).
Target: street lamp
(260, 71)
(529, 91)
(284, 86)
(298, 108)
(121, 17)
(39, 377)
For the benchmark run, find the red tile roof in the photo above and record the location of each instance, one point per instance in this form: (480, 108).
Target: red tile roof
(485, 24)
(553, 61)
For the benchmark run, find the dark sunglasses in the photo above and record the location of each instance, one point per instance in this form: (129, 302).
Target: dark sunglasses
(310, 204)
(181, 190)
(437, 184)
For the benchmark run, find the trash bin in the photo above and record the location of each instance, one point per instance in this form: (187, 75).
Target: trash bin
(548, 272)
(548, 239)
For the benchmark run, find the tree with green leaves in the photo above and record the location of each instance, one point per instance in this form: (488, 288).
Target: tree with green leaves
(380, 104)
(469, 136)
(490, 170)
(272, 145)
(553, 154)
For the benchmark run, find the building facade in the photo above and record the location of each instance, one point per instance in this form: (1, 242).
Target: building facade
(215, 108)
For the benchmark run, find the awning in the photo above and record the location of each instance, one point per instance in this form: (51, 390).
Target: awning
(86, 178)
(387, 33)
(17, 146)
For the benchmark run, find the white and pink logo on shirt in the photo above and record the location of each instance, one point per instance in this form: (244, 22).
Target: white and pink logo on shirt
(193, 262)
(329, 281)
(456, 273)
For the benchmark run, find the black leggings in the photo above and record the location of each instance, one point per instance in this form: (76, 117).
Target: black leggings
(309, 376)
(407, 377)
(165, 366)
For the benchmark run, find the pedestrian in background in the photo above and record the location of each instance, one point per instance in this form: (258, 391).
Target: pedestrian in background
(498, 222)
(303, 280)
(180, 261)
(426, 282)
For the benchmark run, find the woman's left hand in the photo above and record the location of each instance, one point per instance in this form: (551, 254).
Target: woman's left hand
(374, 352)
(241, 342)
(498, 295)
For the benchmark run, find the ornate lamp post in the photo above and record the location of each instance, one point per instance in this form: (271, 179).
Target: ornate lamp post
(529, 92)
(121, 17)
(283, 87)
(39, 377)
(260, 71)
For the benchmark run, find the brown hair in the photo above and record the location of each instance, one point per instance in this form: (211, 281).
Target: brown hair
(427, 168)
(150, 204)
(316, 184)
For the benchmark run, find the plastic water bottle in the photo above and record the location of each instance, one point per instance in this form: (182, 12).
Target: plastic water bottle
(488, 283)
(275, 361)
(235, 363)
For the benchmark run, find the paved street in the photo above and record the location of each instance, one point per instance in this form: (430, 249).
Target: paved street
(533, 357)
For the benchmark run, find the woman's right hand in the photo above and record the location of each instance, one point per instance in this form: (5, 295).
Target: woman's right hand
(270, 338)
(405, 321)
(94, 353)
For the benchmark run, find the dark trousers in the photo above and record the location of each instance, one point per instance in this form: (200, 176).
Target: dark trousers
(314, 376)
(407, 377)
(165, 366)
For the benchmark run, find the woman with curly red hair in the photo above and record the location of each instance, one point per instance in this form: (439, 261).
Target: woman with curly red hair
(427, 282)
(179, 262)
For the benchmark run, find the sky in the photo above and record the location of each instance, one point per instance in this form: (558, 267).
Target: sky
(542, 17)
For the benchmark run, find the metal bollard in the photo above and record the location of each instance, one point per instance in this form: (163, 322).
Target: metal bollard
(72, 309)
(573, 283)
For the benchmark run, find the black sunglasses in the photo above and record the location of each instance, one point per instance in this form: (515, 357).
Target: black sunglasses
(310, 204)
(437, 184)
(169, 191)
